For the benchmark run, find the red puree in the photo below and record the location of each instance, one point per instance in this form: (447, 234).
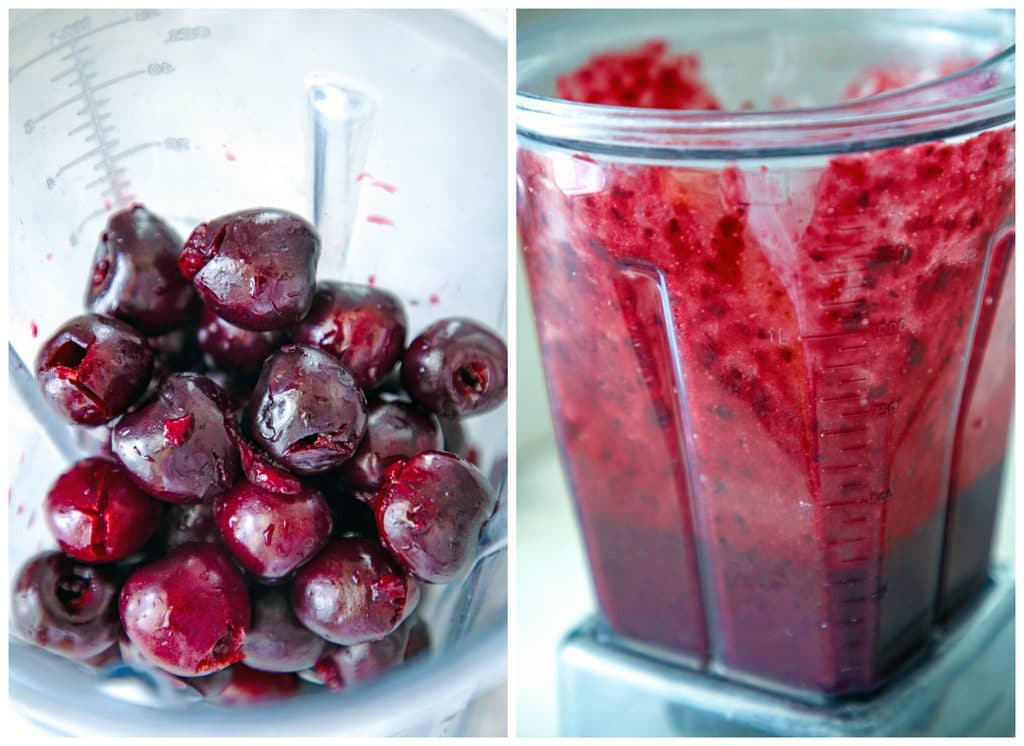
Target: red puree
(647, 77)
(766, 391)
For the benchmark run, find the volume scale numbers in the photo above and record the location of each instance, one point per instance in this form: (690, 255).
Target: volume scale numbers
(88, 93)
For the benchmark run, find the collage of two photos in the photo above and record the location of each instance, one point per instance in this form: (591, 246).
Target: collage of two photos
(511, 373)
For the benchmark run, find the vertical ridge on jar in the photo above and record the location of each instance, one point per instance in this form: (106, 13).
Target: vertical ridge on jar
(982, 431)
(643, 298)
(618, 441)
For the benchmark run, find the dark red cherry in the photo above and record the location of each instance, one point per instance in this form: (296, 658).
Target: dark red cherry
(92, 368)
(276, 640)
(353, 592)
(232, 348)
(186, 523)
(98, 514)
(455, 367)
(249, 686)
(255, 268)
(179, 447)
(270, 534)
(430, 512)
(306, 411)
(65, 606)
(362, 326)
(346, 667)
(394, 430)
(135, 274)
(188, 612)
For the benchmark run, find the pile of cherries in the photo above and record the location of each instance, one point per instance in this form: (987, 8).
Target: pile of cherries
(272, 488)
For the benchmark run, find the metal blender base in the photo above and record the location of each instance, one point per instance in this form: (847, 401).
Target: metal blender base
(963, 686)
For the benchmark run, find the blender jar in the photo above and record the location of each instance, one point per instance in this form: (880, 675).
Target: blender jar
(779, 341)
(196, 113)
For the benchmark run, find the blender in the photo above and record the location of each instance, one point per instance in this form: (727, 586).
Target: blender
(356, 120)
(777, 335)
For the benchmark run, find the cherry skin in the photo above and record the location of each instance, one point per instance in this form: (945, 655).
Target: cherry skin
(345, 667)
(231, 348)
(454, 434)
(65, 606)
(271, 534)
(179, 447)
(263, 471)
(255, 268)
(394, 430)
(93, 368)
(186, 523)
(276, 640)
(245, 685)
(455, 367)
(430, 512)
(135, 274)
(353, 592)
(209, 685)
(98, 514)
(364, 327)
(306, 411)
(177, 351)
(187, 612)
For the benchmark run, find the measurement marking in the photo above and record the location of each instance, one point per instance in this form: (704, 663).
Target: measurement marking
(853, 380)
(831, 336)
(863, 413)
(858, 447)
(81, 50)
(848, 581)
(844, 227)
(21, 68)
(118, 79)
(842, 255)
(135, 149)
(77, 232)
(839, 272)
(852, 561)
(92, 105)
(75, 162)
(80, 78)
(95, 136)
(845, 398)
(844, 467)
(58, 76)
(87, 125)
(857, 501)
(856, 519)
(54, 109)
(95, 103)
(842, 542)
(854, 347)
(845, 365)
(106, 192)
(831, 433)
(833, 303)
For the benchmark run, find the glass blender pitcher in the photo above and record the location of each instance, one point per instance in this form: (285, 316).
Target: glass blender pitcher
(386, 129)
(778, 341)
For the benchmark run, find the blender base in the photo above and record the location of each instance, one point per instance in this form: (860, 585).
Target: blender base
(962, 686)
